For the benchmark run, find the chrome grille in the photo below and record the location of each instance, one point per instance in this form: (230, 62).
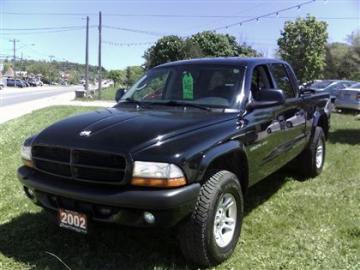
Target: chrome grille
(81, 165)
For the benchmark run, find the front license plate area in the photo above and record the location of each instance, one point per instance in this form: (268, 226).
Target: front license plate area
(73, 220)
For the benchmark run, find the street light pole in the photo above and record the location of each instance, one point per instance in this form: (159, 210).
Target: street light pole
(99, 67)
(87, 57)
(14, 57)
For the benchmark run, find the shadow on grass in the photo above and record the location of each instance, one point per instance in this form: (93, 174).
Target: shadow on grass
(345, 136)
(265, 189)
(29, 237)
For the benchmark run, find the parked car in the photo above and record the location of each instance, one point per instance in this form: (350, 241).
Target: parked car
(1, 84)
(185, 157)
(349, 98)
(31, 82)
(331, 86)
(34, 82)
(39, 82)
(46, 81)
(15, 83)
(27, 84)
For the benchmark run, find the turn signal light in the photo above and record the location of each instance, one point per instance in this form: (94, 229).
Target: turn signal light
(28, 163)
(158, 182)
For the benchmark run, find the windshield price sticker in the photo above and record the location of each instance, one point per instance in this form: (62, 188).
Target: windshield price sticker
(188, 86)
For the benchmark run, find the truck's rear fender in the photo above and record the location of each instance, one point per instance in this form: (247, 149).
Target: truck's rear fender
(321, 119)
(230, 156)
(319, 109)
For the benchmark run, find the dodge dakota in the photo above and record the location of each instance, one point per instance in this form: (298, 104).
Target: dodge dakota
(179, 149)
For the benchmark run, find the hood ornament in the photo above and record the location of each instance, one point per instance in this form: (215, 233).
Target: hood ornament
(85, 133)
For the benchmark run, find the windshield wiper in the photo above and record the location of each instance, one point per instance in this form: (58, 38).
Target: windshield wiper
(133, 101)
(183, 104)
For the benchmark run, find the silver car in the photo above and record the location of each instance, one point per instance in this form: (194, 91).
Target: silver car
(331, 86)
(349, 98)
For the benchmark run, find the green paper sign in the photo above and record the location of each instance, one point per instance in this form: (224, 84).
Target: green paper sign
(188, 86)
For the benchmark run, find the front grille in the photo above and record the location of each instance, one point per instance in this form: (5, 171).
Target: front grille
(81, 165)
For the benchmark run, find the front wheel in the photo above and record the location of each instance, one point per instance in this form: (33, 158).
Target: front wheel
(209, 236)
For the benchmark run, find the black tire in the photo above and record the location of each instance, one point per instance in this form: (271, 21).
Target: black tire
(196, 234)
(307, 159)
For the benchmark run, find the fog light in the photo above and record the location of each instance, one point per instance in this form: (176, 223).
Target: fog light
(104, 211)
(149, 218)
(30, 193)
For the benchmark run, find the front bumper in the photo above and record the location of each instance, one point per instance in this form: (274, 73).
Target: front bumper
(123, 205)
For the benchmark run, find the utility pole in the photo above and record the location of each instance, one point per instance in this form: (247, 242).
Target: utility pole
(87, 57)
(14, 57)
(99, 67)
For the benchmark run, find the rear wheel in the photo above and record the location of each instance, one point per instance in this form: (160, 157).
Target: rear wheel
(209, 236)
(313, 157)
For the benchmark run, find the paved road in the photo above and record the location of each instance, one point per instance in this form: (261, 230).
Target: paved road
(17, 102)
(13, 96)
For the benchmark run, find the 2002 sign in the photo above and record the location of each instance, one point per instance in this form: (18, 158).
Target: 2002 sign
(73, 220)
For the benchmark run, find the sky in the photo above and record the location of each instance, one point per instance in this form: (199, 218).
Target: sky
(148, 20)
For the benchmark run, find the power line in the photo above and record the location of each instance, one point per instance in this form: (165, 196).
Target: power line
(41, 28)
(128, 44)
(46, 13)
(319, 18)
(42, 32)
(135, 30)
(257, 18)
(167, 15)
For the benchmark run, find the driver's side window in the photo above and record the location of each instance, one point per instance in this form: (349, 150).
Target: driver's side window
(260, 80)
(152, 88)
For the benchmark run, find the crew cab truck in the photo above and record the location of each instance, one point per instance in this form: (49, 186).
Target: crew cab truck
(180, 148)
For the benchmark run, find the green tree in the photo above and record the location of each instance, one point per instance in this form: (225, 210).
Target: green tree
(246, 50)
(118, 76)
(352, 59)
(335, 67)
(166, 49)
(6, 67)
(74, 77)
(133, 73)
(214, 44)
(343, 59)
(204, 44)
(302, 44)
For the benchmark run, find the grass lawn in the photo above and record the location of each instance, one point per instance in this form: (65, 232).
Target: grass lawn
(109, 93)
(288, 225)
(106, 94)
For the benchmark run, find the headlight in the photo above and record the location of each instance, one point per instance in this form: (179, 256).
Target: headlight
(157, 174)
(26, 155)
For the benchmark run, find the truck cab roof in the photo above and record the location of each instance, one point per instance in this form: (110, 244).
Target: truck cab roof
(240, 61)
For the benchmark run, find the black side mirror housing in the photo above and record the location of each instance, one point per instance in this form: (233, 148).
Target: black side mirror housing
(119, 93)
(267, 98)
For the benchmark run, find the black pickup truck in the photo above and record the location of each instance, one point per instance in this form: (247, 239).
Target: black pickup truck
(180, 148)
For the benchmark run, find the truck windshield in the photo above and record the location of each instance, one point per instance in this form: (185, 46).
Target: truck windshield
(206, 85)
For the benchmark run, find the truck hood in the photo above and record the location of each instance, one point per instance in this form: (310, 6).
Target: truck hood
(125, 129)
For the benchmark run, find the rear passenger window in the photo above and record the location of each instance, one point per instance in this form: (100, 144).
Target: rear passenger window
(282, 80)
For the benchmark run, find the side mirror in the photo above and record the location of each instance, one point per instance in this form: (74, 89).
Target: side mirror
(267, 98)
(119, 93)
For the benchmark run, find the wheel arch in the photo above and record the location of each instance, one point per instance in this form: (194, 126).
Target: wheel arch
(230, 156)
(322, 120)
